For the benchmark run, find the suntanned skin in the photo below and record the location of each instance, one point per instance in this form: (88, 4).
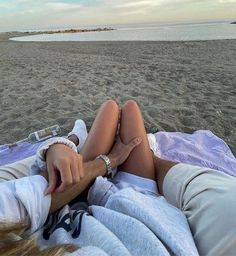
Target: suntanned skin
(92, 169)
(79, 169)
(97, 168)
(161, 169)
(99, 141)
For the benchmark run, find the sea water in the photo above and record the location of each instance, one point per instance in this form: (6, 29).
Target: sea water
(148, 32)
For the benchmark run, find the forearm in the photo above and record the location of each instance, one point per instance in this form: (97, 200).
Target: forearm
(92, 170)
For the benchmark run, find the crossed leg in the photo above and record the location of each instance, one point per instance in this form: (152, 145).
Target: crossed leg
(140, 161)
(103, 131)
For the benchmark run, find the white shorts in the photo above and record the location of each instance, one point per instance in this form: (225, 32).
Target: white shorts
(103, 188)
(143, 185)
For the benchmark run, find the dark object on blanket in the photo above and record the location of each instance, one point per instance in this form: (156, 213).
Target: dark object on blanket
(152, 130)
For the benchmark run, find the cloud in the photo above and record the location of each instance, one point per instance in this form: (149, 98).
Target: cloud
(137, 12)
(62, 7)
(153, 3)
(134, 4)
(23, 14)
(227, 1)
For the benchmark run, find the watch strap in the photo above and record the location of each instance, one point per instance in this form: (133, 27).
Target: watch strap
(108, 165)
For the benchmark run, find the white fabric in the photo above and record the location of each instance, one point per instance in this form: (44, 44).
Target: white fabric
(23, 200)
(153, 144)
(126, 180)
(135, 218)
(120, 181)
(88, 251)
(128, 224)
(80, 130)
(74, 225)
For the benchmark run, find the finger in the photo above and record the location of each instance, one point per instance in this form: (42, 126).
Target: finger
(52, 179)
(134, 142)
(75, 172)
(80, 166)
(66, 177)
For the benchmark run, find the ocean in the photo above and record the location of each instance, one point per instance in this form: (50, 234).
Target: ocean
(147, 32)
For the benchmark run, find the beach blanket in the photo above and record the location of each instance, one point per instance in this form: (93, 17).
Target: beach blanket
(201, 148)
(17, 152)
(142, 223)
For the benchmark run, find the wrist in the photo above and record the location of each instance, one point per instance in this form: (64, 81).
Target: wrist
(40, 161)
(41, 152)
(113, 160)
(108, 164)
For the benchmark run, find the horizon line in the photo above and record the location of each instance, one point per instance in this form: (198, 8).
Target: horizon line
(117, 24)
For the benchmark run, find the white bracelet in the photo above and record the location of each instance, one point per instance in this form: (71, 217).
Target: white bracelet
(56, 140)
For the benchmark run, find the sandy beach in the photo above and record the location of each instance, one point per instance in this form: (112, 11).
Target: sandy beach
(180, 86)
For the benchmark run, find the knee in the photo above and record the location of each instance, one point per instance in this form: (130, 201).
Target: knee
(131, 105)
(111, 105)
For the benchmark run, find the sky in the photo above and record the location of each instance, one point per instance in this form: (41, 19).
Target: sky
(46, 14)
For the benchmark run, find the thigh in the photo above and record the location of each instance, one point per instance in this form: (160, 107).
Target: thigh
(103, 131)
(140, 162)
(16, 170)
(207, 198)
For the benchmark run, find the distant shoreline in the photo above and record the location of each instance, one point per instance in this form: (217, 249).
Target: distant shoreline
(9, 34)
(175, 33)
(72, 30)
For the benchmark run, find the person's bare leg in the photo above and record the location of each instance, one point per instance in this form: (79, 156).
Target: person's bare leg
(103, 131)
(74, 139)
(140, 161)
(161, 168)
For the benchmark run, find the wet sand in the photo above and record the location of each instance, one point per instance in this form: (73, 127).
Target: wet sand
(180, 86)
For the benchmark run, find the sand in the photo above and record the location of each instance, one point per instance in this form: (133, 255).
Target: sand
(180, 86)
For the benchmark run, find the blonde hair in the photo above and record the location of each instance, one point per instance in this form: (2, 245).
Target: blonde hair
(12, 244)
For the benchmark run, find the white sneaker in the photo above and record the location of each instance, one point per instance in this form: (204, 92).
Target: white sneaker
(80, 130)
(153, 144)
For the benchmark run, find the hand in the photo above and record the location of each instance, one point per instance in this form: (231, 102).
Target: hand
(120, 151)
(65, 167)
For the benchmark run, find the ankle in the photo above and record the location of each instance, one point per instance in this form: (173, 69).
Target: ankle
(74, 139)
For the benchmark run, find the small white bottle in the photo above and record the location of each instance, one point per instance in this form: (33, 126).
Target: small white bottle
(44, 134)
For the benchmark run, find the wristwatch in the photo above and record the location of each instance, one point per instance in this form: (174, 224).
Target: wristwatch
(108, 165)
